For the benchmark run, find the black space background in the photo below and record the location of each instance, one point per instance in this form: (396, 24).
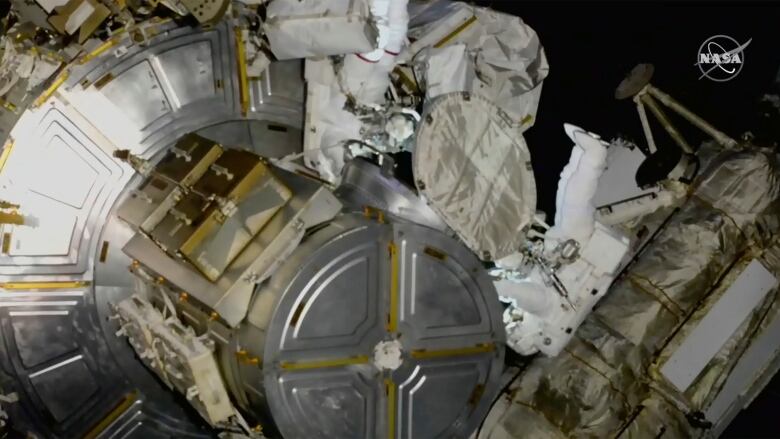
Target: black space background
(591, 46)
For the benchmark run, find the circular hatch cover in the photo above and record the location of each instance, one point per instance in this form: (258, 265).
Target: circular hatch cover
(472, 164)
(383, 331)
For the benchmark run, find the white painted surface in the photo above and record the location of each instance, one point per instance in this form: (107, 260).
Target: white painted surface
(748, 371)
(728, 314)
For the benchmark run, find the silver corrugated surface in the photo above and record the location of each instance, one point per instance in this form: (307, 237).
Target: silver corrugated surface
(474, 167)
(601, 385)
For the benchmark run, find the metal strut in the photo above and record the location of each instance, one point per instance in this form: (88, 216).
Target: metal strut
(638, 87)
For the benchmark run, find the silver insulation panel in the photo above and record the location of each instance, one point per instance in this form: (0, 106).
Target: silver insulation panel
(606, 383)
(473, 165)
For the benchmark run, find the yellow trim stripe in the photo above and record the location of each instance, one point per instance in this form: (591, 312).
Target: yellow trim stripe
(12, 217)
(455, 33)
(6, 154)
(391, 407)
(52, 88)
(243, 81)
(360, 359)
(8, 105)
(112, 416)
(409, 82)
(98, 50)
(43, 285)
(422, 354)
(392, 321)
(6, 243)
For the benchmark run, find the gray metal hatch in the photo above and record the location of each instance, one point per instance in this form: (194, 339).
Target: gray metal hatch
(396, 284)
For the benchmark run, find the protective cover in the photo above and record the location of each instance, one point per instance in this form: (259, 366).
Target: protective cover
(493, 54)
(313, 28)
(473, 165)
(602, 385)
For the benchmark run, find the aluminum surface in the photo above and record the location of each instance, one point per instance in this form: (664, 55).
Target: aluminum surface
(357, 283)
(156, 84)
(364, 184)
